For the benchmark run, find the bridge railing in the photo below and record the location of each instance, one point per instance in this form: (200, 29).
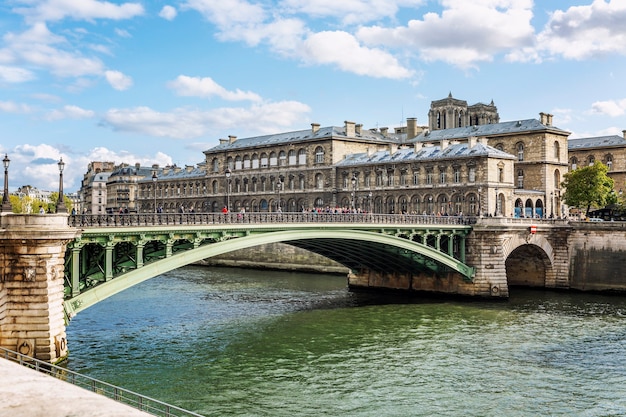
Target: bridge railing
(138, 401)
(170, 219)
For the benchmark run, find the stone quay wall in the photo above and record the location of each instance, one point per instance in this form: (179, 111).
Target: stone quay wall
(32, 254)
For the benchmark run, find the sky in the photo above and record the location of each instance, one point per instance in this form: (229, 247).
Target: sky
(158, 82)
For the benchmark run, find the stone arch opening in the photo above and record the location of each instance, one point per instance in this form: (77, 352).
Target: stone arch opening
(527, 266)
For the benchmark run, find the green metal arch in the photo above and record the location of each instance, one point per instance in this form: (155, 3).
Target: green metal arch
(134, 277)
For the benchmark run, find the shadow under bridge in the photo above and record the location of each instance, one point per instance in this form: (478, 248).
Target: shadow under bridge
(102, 263)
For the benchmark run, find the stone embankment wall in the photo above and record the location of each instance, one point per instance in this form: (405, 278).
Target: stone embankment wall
(279, 256)
(598, 256)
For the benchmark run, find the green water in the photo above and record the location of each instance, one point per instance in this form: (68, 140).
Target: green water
(231, 342)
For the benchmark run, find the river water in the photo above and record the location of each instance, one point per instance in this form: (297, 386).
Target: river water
(236, 342)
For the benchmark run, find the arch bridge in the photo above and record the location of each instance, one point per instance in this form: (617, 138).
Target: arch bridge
(115, 252)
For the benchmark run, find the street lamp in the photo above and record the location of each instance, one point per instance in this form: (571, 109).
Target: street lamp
(6, 202)
(430, 205)
(61, 202)
(154, 182)
(227, 173)
(354, 193)
(495, 212)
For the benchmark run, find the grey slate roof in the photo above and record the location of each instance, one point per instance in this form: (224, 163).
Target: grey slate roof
(303, 135)
(427, 153)
(502, 128)
(196, 172)
(596, 142)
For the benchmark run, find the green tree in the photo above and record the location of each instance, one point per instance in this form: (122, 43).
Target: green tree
(588, 186)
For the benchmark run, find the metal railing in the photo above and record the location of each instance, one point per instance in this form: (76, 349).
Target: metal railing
(169, 219)
(138, 401)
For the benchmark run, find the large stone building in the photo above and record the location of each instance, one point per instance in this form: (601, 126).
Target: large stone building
(463, 161)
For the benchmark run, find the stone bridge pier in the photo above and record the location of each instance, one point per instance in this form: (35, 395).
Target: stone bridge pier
(32, 254)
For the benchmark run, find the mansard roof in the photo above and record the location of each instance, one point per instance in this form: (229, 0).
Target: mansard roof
(425, 154)
(173, 172)
(596, 142)
(372, 135)
(494, 129)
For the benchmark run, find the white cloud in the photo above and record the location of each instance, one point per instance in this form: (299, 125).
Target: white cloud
(118, 80)
(613, 108)
(464, 34)
(15, 74)
(206, 87)
(12, 107)
(122, 33)
(54, 10)
(168, 12)
(37, 47)
(185, 123)
(582, 32)
(343, 50)
(69, 112)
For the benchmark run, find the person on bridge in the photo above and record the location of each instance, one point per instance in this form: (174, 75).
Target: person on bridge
(225, 210)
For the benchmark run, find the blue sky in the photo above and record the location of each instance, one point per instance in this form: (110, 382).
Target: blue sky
(160, 81)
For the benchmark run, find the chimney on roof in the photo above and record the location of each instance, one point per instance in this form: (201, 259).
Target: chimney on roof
(471, 141)
(393, 147)
(350, 128)
(137, 165)
(545, 119)
(624, 133)
(231, 138)
(549, 120)
(417, 146)
(188, 168)
(357, 128)
(384, 130)
(223, 141)
(443, 144)
(411, 125)
(315, 127)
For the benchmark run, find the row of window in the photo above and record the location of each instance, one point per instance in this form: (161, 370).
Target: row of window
(267, 160)
(590, 160)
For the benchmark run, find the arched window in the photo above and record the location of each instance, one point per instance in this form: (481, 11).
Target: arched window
(292, 157)
(557, 151)
(282, 159)
(573, 163)
(216, 165)
(302, 157)
(520, 151)
(609, 162)
(246, 162)
(319, 155)
(592, 160)
(264, 160)
(238, 163)
(273, 159)
(520, 178)
(214, 188)
(255, 161)
(319, 181)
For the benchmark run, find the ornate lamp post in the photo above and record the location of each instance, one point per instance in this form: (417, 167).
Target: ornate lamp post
(227, 173)
(155, 178)
(354, 193)
(279, 186)
(6, 202)
(61, 203)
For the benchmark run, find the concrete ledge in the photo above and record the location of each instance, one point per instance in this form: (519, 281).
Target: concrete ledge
(26, 392)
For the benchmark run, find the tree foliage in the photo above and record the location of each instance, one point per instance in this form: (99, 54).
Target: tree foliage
(588, 187)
